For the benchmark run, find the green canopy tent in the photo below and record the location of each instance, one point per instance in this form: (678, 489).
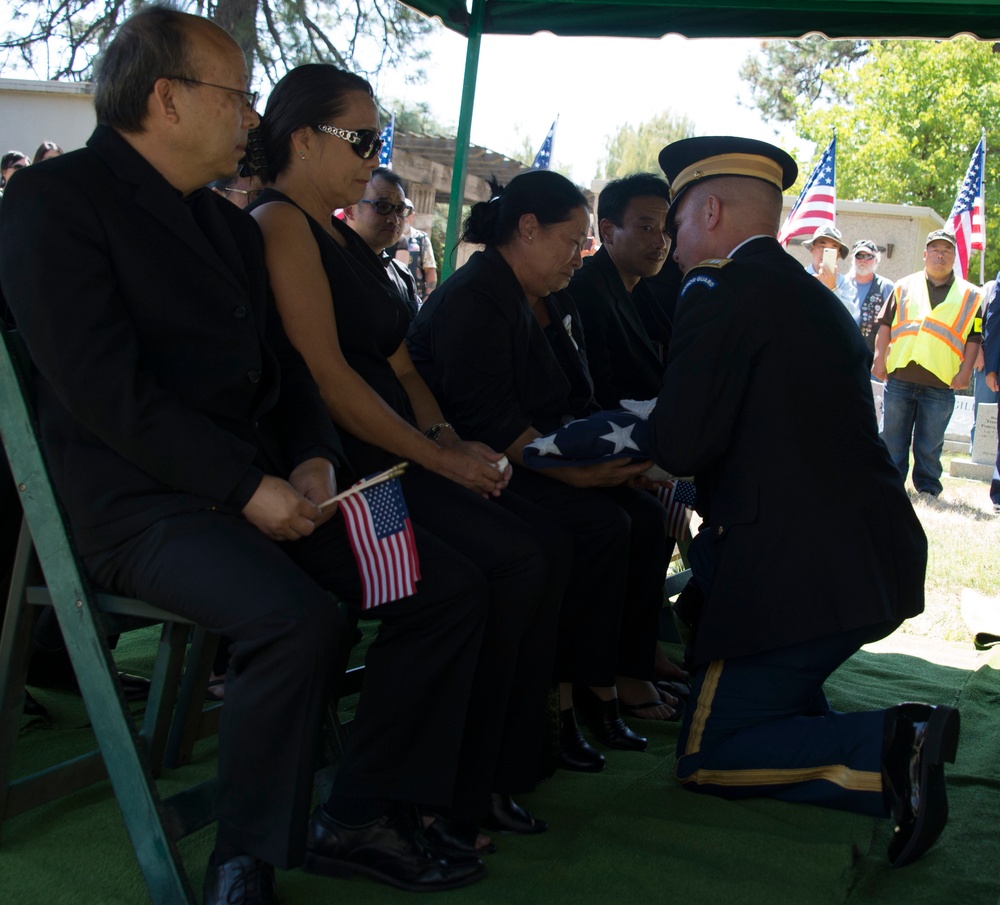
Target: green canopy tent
(707, 19)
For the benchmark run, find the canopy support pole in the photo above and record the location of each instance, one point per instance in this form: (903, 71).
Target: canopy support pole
(464, 132)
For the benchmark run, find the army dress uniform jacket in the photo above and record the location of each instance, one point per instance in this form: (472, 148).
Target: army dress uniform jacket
(767, 401)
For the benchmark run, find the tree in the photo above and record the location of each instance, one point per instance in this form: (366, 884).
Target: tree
(912, 114)
(787, 74)
(634, 149)
(59, 39)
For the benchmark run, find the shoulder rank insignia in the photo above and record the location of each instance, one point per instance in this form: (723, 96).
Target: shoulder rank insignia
(716, 263)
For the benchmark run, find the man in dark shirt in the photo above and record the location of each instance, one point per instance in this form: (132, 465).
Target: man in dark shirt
(379, 218)
(926, 359)
(610, 292)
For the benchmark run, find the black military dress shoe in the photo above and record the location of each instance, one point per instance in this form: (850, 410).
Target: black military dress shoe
(243, 880)
(386, 850)
(920, 738)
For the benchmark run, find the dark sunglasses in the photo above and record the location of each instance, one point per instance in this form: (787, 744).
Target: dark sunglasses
(864, 256)
(384, 208)
(366, 142)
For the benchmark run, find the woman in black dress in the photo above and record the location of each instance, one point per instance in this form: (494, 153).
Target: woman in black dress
(319, 137)
(501, 346)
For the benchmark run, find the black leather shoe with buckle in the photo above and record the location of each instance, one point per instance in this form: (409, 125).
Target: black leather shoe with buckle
(920, 738)
(243, 880)
(386, 850)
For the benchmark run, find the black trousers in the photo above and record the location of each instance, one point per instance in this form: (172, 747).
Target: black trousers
(524, 559)
(609, 620)
(412, 726)
(222, 572)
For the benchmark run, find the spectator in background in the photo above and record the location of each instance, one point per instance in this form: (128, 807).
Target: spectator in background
(927, 344)
(46, 150)
(414, 250)
(991, 366)
(10, 163)
(980, 389)
(830, 237)
(378, 218)
(872, 291)
(240, 190)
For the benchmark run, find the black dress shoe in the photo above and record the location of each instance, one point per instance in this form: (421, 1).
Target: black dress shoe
(243, 880)
(604, 720)
(507, 816)
(920, 738)
(574, 752)
(454, 837)
(386, 850)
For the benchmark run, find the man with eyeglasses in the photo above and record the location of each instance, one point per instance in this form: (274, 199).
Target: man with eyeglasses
(378, 218)
(185, 436)
(871, 289)
(928, 340)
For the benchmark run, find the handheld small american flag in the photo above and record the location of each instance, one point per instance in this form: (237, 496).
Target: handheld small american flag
(543, 159)
(388, 136)
(817, 202)
(968, 213)
(678, 497)
(378, 525)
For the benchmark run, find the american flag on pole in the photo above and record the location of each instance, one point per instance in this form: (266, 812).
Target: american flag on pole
(378, 525)
(388, 136)
(817, 202)
(678, 498)
(543, 159)
(967, 218)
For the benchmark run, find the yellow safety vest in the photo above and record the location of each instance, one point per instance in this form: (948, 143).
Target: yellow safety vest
(933, 338)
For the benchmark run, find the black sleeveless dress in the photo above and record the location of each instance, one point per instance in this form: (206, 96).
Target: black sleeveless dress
(371, 324)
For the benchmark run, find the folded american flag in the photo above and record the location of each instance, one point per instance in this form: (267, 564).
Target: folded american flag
(600, 437)
(678, 498)
(381, 535)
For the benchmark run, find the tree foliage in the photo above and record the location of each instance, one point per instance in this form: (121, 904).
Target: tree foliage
(59, 39)
(910, 120)
(634, 149)
(784, 75)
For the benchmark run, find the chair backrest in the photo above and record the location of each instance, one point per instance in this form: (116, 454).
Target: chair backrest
(76, 609)
(71, 596)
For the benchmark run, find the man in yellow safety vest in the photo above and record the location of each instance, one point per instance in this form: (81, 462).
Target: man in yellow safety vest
(928, 338)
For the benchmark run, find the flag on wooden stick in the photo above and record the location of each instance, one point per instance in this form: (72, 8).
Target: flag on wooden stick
(381, 534)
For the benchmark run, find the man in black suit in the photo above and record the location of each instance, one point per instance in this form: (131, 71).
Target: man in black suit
(806, 552)
(190, 448)
(611, 294)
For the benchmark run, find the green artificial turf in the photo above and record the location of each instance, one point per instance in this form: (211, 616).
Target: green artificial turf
(627, 835)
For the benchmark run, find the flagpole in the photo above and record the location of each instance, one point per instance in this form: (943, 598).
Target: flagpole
(982, 253)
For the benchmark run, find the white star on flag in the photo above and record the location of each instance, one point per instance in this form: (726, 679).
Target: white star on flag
(620, 436)
(546, 446)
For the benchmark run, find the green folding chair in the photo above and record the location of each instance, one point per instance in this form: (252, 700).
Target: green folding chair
(129, 756)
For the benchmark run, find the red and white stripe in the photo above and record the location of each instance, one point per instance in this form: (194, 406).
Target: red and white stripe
(389, 567)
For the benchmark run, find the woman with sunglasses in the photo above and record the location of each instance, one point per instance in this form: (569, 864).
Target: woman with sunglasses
(319, 137)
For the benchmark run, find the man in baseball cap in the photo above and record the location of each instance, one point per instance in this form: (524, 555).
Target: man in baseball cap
(929, 336)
